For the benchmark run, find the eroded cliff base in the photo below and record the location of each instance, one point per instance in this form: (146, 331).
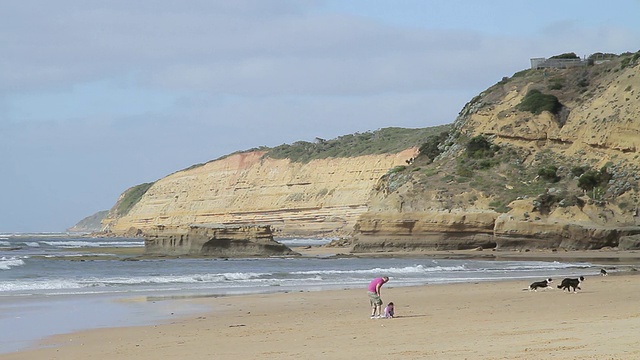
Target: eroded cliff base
(443, 230)
(213, 240)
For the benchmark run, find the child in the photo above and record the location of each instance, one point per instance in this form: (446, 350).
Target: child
(388, 311)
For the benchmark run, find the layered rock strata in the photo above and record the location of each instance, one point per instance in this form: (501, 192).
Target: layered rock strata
(222, 241)
(425, 207)
(440, 230)
(319, 198)
(432, 230)
(599, 127)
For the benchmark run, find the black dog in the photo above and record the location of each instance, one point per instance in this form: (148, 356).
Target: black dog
(569, 283)
(603, 272)
(540, 285)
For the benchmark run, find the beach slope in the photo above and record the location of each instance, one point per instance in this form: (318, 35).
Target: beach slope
(493, 320)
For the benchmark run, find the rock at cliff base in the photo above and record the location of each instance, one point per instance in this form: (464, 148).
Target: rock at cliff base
(215, 241)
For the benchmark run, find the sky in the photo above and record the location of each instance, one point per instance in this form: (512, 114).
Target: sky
(99, 96)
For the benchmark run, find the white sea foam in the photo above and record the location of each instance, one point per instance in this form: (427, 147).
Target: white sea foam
(76, 255)
(39, 285)
(243, 275)
(537, 266)
(44, 275)
(177, 279)
(81, 244)
(8, 263)
(416, 269)
(43, 234)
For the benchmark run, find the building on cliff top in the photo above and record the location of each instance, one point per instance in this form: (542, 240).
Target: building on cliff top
(542, 63)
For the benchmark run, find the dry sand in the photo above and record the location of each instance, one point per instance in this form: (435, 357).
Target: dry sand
(495, 320)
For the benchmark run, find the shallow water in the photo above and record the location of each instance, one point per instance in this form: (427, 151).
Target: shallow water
(42, 282)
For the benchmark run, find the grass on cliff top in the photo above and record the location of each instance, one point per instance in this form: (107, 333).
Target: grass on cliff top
(130, 198)
(382, 141)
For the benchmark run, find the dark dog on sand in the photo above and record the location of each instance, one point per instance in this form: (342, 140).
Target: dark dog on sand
(603, 272)
(546, 283)
(569, 283)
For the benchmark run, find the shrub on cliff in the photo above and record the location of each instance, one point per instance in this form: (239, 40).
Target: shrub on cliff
(432, 147)
(577, 171)
(479, 147)
(537, 102)
(570, 55)
(549, 173)
(592, 179)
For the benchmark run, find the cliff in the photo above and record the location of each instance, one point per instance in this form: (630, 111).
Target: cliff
(546, 158)
(315, 198)
(511, 177)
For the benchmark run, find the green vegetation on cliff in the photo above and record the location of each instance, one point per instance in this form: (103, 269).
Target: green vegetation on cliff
(500, 165)
(131, 197)
(570, 55)
(383, 141)
(537, 102)
(498, 173)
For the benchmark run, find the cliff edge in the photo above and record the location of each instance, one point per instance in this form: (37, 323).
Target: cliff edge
(546, 158)
(322, 197)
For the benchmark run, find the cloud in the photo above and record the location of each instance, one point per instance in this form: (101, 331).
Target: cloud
(256, 48)
(214, 46)
(98, 96)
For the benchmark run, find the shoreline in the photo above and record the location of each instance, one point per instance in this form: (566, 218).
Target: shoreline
(609, 256)
(498, 321)
(623, 264)
(31, 318)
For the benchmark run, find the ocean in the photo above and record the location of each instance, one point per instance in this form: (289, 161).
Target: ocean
(46, 277)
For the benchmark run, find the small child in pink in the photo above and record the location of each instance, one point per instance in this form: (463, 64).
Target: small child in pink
(388, 311)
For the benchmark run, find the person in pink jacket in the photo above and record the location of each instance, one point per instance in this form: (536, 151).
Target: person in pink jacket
(374, 296)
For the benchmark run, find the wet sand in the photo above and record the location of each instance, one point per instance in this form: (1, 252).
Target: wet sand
(497, 320)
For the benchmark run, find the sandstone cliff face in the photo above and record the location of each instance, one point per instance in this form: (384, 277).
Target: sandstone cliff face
(599, 126)
(450, 202)
(602, 123)
(321, 197)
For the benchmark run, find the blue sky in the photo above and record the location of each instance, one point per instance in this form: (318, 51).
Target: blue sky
(96, 97)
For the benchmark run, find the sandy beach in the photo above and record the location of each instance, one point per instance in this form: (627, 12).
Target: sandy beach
(488, 320)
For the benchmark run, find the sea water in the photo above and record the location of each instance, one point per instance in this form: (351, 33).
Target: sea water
(46, 277)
